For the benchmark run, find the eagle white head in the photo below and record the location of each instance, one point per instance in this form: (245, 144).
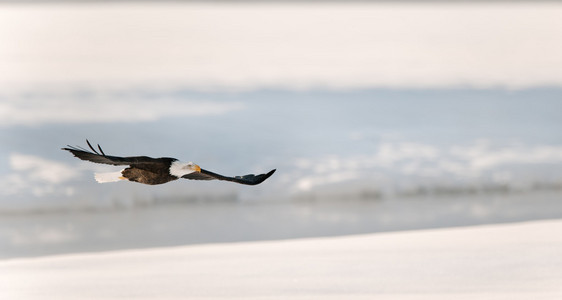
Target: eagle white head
(178, 168)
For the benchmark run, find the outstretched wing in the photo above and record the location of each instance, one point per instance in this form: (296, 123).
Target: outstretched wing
(250, 179)
(101, 158)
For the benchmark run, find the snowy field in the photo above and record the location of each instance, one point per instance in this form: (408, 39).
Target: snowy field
(514, 261)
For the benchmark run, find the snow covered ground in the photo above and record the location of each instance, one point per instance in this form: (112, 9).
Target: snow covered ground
(510, 261)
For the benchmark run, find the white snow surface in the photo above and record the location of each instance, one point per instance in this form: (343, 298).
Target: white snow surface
(288, 45)
(508, 261)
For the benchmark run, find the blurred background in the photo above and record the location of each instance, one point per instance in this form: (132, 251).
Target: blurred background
(378, 116)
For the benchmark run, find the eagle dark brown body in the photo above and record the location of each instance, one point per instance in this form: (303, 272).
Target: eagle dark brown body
(148, 174)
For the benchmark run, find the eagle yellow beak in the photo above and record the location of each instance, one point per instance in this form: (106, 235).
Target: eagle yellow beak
(197, 168)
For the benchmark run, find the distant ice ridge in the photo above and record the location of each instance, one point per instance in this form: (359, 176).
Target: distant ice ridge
(394, 170)
(410, 169)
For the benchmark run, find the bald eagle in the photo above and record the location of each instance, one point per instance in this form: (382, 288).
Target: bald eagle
(148, 170)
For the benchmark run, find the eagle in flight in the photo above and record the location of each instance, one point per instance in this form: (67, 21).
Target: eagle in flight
(148, 170)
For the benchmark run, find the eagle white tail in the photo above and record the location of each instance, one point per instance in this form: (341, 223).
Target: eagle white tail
(109, 177)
